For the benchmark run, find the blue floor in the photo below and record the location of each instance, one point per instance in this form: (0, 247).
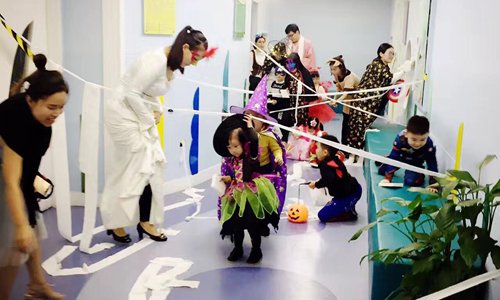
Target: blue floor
(301, 261)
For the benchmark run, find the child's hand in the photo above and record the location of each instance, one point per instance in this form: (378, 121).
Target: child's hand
(432, 189)
(225, 179)
(279, 160)
(312, 185)
(247, 118)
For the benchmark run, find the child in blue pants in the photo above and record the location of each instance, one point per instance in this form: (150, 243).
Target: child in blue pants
(344, 188)
(412, 146)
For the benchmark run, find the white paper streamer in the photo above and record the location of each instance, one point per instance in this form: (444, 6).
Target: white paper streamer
(462, 286)
(89, 158)
(62, 193)
(358, 152)
(159, 283)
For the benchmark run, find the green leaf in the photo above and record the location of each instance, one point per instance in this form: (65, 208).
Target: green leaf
(415, 203)
(429, 209)
(450, 185)
(467, 251)
(462, 175)
(384, 211)
(489, 158)
(403, 203)
(471, 212)
(468, 203)
(446, 216)
(398, 200)
(392, 199)
(364, 228)
(483, 244)
(495, 190)
(410, 248)
(495, 256)
(420, 236)
(425, 265)
(415, 213)
(421, 190)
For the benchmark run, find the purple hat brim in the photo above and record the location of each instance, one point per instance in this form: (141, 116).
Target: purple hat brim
(241, 110)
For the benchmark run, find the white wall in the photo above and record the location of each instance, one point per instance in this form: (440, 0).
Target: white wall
(464, 69)
(215, 20)
(354, 28)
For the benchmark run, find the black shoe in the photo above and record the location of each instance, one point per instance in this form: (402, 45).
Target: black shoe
(255, 256)
(158, 238)
(122, 239)
(351, 215)
(236, 254)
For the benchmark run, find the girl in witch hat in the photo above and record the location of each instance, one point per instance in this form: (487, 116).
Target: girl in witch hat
(250, 201)
(272, 160)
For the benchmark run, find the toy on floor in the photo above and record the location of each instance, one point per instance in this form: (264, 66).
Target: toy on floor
(298, 212)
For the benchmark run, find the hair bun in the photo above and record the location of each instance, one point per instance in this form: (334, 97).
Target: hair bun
(188, 29)
(40, 61)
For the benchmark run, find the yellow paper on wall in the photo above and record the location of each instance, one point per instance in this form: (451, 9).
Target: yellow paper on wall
(161, 131)
(159, 16)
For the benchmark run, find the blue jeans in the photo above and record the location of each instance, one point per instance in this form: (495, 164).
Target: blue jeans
(339, 206)
(411, 178)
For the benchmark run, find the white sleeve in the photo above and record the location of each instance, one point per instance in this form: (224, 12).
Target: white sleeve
(404, 68)
(146, 72)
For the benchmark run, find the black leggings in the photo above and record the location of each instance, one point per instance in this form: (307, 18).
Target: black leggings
(254, 235)
(145, 204)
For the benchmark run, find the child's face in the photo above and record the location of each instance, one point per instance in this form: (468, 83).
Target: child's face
(311, 129)
(280, 77)
(321, 152)
(257, 125)
(416, 141)
(261, 43)
(234, 146)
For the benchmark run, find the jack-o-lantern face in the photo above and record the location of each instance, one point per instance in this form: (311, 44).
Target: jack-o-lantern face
(298, 213)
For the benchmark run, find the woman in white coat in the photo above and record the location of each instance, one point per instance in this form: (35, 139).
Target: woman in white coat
(133, 191)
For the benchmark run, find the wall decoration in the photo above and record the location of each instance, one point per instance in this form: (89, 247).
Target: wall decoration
(159, 17)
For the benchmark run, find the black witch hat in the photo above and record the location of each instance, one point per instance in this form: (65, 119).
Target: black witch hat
(221, 135)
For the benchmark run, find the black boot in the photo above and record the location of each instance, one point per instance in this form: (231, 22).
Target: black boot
(236, 254)
(255, 256)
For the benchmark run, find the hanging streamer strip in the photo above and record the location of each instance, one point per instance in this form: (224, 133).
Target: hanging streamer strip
(243, 91)
(368, 155)
(320, 103)
(312, 90)
(352, 92)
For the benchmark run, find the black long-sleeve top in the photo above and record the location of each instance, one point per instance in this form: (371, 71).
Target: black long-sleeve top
(335, 178)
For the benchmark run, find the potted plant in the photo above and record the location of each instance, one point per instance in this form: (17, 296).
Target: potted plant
(446, 245)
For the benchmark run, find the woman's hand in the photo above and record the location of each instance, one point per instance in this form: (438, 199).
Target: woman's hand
(157, 116)
(279, 160)
(25, 238)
